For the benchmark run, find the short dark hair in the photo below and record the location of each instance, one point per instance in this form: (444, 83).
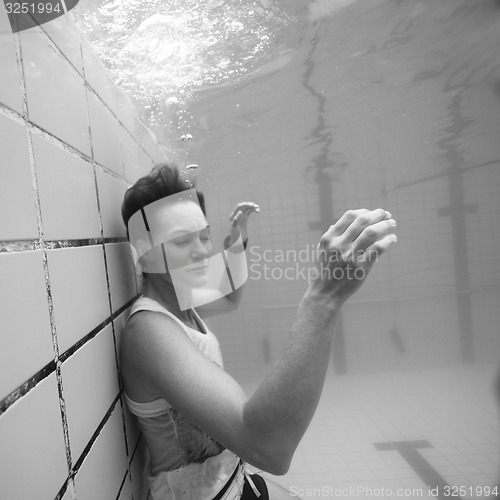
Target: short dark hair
(162, 181)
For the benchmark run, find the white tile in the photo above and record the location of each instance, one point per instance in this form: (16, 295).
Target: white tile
(101, 83)
(65, 35)
(103, 470)
(5, 27)
(79, 292)
(121, 274)
(133, 126)
(99, 79)
(130, 154)
(127, 114)
(106, 136)
(32, 454)
(148, 141)
(141, 169)
(26, 333)
(10, 89)
(111, 192)
(55, 91)
(90, 384)
(17, 200)
(67, 191)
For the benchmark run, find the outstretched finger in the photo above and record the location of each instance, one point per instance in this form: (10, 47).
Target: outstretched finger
(376, 249)
(248, 210)
(364, 221)
(252, 206)
(236, 217)
(340, 226)
(372, 233)
(244, 205)
(345, 221)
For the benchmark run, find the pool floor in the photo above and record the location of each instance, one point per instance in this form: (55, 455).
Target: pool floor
(430, 433)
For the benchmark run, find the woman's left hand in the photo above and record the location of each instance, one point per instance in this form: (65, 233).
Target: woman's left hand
(239, 219)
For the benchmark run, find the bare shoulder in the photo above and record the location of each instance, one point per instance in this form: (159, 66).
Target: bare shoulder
(150, 333)
(144, 321)
(146, 341)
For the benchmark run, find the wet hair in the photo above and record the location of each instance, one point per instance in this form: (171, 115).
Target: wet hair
(162, 181)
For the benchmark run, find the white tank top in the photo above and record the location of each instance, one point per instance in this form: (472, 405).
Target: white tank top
(183, 462)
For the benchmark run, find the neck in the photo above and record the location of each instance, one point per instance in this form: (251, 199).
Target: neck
(156, 287)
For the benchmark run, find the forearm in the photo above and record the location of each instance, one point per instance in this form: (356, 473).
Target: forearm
(279, 412)
(284, 404)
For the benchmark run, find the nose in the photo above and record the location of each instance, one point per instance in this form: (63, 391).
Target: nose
(200, 250)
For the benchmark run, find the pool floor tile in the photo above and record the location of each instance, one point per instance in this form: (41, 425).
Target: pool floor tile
(414, 429)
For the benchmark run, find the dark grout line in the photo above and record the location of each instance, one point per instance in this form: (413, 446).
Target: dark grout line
(24, 388)
(94, 437)
(75, 347)
(52, 44)
(12, 246)
(76, 467)
(12, 114)
(62, 491)
(39, 220)
(29, 384)
(17, 246)
(56, 141)
(51, 245)
(39, 244)
(88, 91)
(424, 470)
(122, 484)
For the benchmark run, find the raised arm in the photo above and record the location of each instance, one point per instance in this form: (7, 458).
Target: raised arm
(266, 428)
(238, 220)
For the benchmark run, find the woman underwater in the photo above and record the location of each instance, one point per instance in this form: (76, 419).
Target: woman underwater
(201, 430)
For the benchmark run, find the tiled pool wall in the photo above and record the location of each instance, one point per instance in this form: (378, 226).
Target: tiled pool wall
(71, 145)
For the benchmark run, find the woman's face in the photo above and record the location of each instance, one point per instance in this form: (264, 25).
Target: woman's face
(187, 244)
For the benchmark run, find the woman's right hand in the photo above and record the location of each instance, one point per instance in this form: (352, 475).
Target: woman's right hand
(348, 250)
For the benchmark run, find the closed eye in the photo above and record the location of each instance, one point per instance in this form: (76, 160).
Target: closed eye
(184, 240)
(204, 236)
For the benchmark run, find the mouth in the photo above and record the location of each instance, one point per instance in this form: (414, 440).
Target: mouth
(198, 268)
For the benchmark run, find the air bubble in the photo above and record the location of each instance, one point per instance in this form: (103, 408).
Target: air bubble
(161, 51)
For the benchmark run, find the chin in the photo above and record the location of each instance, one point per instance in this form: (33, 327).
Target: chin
(191, 280)
(199, 282)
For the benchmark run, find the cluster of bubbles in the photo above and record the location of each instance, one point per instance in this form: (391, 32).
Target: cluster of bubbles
(161, 51)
